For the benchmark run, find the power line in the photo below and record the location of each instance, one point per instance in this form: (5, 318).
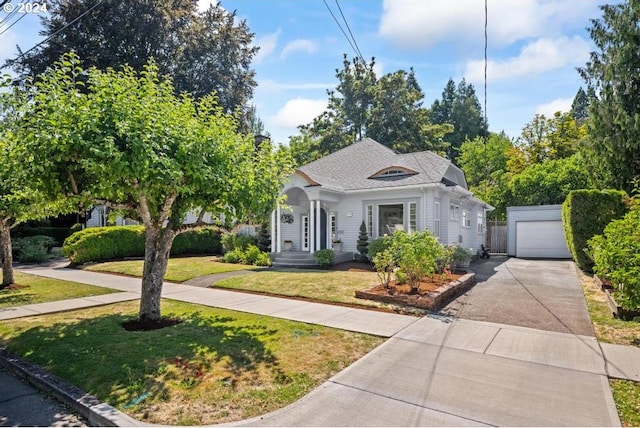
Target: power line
(343, 32)
(14, 23)
(350, 33)
(53, 35)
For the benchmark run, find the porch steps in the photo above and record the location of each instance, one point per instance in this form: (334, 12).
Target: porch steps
(303, 259)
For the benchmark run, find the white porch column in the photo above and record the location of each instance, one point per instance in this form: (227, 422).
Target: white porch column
(274, 231)
(278, 231)
(312, 217)
(318, 221)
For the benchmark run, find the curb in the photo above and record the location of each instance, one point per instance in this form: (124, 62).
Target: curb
(93, 410)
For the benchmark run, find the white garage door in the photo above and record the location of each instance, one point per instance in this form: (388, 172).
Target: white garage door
(544, 239)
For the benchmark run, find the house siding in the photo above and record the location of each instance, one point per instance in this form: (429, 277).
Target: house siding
(528, 213)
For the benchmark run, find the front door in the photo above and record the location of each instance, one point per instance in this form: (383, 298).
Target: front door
(305, 233)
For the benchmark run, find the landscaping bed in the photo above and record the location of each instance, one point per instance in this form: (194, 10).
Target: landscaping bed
(433, 292)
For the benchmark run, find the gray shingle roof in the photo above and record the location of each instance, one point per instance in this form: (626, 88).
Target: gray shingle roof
(350, 168)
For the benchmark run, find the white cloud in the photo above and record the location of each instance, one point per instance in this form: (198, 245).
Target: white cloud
(537, 57)
(267, 45)
(203, 5)
(269, 85)
(419, 24)
(299, 111)
(299, 45)
(550, 108)
(8, 46)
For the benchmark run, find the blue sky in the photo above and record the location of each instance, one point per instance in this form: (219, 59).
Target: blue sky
(534, 49)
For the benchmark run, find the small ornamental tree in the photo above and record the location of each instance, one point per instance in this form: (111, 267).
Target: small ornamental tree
(264, 238)
(125, 140)
(363, 242)
(417, 255)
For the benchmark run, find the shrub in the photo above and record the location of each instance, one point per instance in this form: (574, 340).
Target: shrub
(263, 260)
(236, 241)
(401, 277)
(616, 254)
(32, 249)
(59, 234)
(363, 242)
(417, 255)
(385, 263)
(251, 254)
(264, 238)
(75, 228)
(459, 254)
(205, 240)
(378, 245)
(585, 213)
(95, 244)
(234, 256)
(324, 257)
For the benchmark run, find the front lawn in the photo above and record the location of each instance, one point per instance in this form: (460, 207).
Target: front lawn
(30, 289)
(217, 366)
(323, 285)
(179, 269)
(626, 394)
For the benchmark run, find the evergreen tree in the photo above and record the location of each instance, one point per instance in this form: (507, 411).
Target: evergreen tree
(264, 238)
(580, 107)
(613, 77)
(363, 242)
(460, 108)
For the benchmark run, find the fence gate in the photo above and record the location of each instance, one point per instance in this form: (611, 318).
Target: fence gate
(497, 237)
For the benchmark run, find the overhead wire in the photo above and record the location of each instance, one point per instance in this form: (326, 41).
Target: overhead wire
(53, 35)
(357, 48)
(351, 43)
(12, 24)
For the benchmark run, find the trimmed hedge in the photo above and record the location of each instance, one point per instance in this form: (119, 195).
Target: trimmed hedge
(95, 244)
(585, 213)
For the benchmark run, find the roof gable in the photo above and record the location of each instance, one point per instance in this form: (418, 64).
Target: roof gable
(360, 165)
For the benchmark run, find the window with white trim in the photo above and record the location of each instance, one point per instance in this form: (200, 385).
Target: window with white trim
(333, 223)
(466, 219)
(370, 220)
(413, 217)
(454, 212)
(480, 222)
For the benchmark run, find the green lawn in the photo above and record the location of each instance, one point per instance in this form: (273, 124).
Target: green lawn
(36, 289)
(179, 269)
(626, 394)
(216, 366)
(324, 285)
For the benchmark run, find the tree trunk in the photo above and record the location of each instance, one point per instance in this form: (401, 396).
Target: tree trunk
(7, 255)
(158, 243)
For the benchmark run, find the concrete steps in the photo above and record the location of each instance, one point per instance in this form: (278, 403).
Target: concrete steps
(304, 259)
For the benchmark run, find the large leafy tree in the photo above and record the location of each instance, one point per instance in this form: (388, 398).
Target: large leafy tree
(388, 109)
(460, 108)
(545, 138)
(203, 52)
(127, 140)
(19, 198)
(613, 77)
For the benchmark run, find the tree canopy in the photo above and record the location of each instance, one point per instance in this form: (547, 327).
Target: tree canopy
(460, 108)
(613, 77)
(387, 109)
(203, 52)
(127, 140)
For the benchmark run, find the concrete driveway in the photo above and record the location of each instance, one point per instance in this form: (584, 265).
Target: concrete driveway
(541, 294)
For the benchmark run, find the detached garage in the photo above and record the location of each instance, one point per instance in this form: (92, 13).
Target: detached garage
(536, 232)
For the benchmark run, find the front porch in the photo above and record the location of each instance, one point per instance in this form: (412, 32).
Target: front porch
(304, 259)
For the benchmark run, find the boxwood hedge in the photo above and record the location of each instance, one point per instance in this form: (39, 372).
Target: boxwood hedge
(95, 244)
(585, 213)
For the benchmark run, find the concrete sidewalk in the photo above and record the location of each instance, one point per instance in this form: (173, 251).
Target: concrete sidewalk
(432, 371)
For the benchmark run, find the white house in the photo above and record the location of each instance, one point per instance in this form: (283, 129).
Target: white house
(329, 198)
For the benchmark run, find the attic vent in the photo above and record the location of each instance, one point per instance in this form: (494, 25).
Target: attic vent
(393, 173)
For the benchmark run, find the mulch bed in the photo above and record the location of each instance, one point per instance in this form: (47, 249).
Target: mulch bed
(427, 285)
(147, 325)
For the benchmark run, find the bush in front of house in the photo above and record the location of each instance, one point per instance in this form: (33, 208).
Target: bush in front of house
(324, 257)
(616, 254)
(377, 246)
(251, 256)
(59, 234)
(32, 249)
(95, 244)
(415, 255)
(585, 214)
(237, 241)
(363, 243)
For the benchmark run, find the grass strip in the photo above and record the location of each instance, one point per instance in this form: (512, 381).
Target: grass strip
(609, 329)
(179, 269)
(30, 289)
(216, 366)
